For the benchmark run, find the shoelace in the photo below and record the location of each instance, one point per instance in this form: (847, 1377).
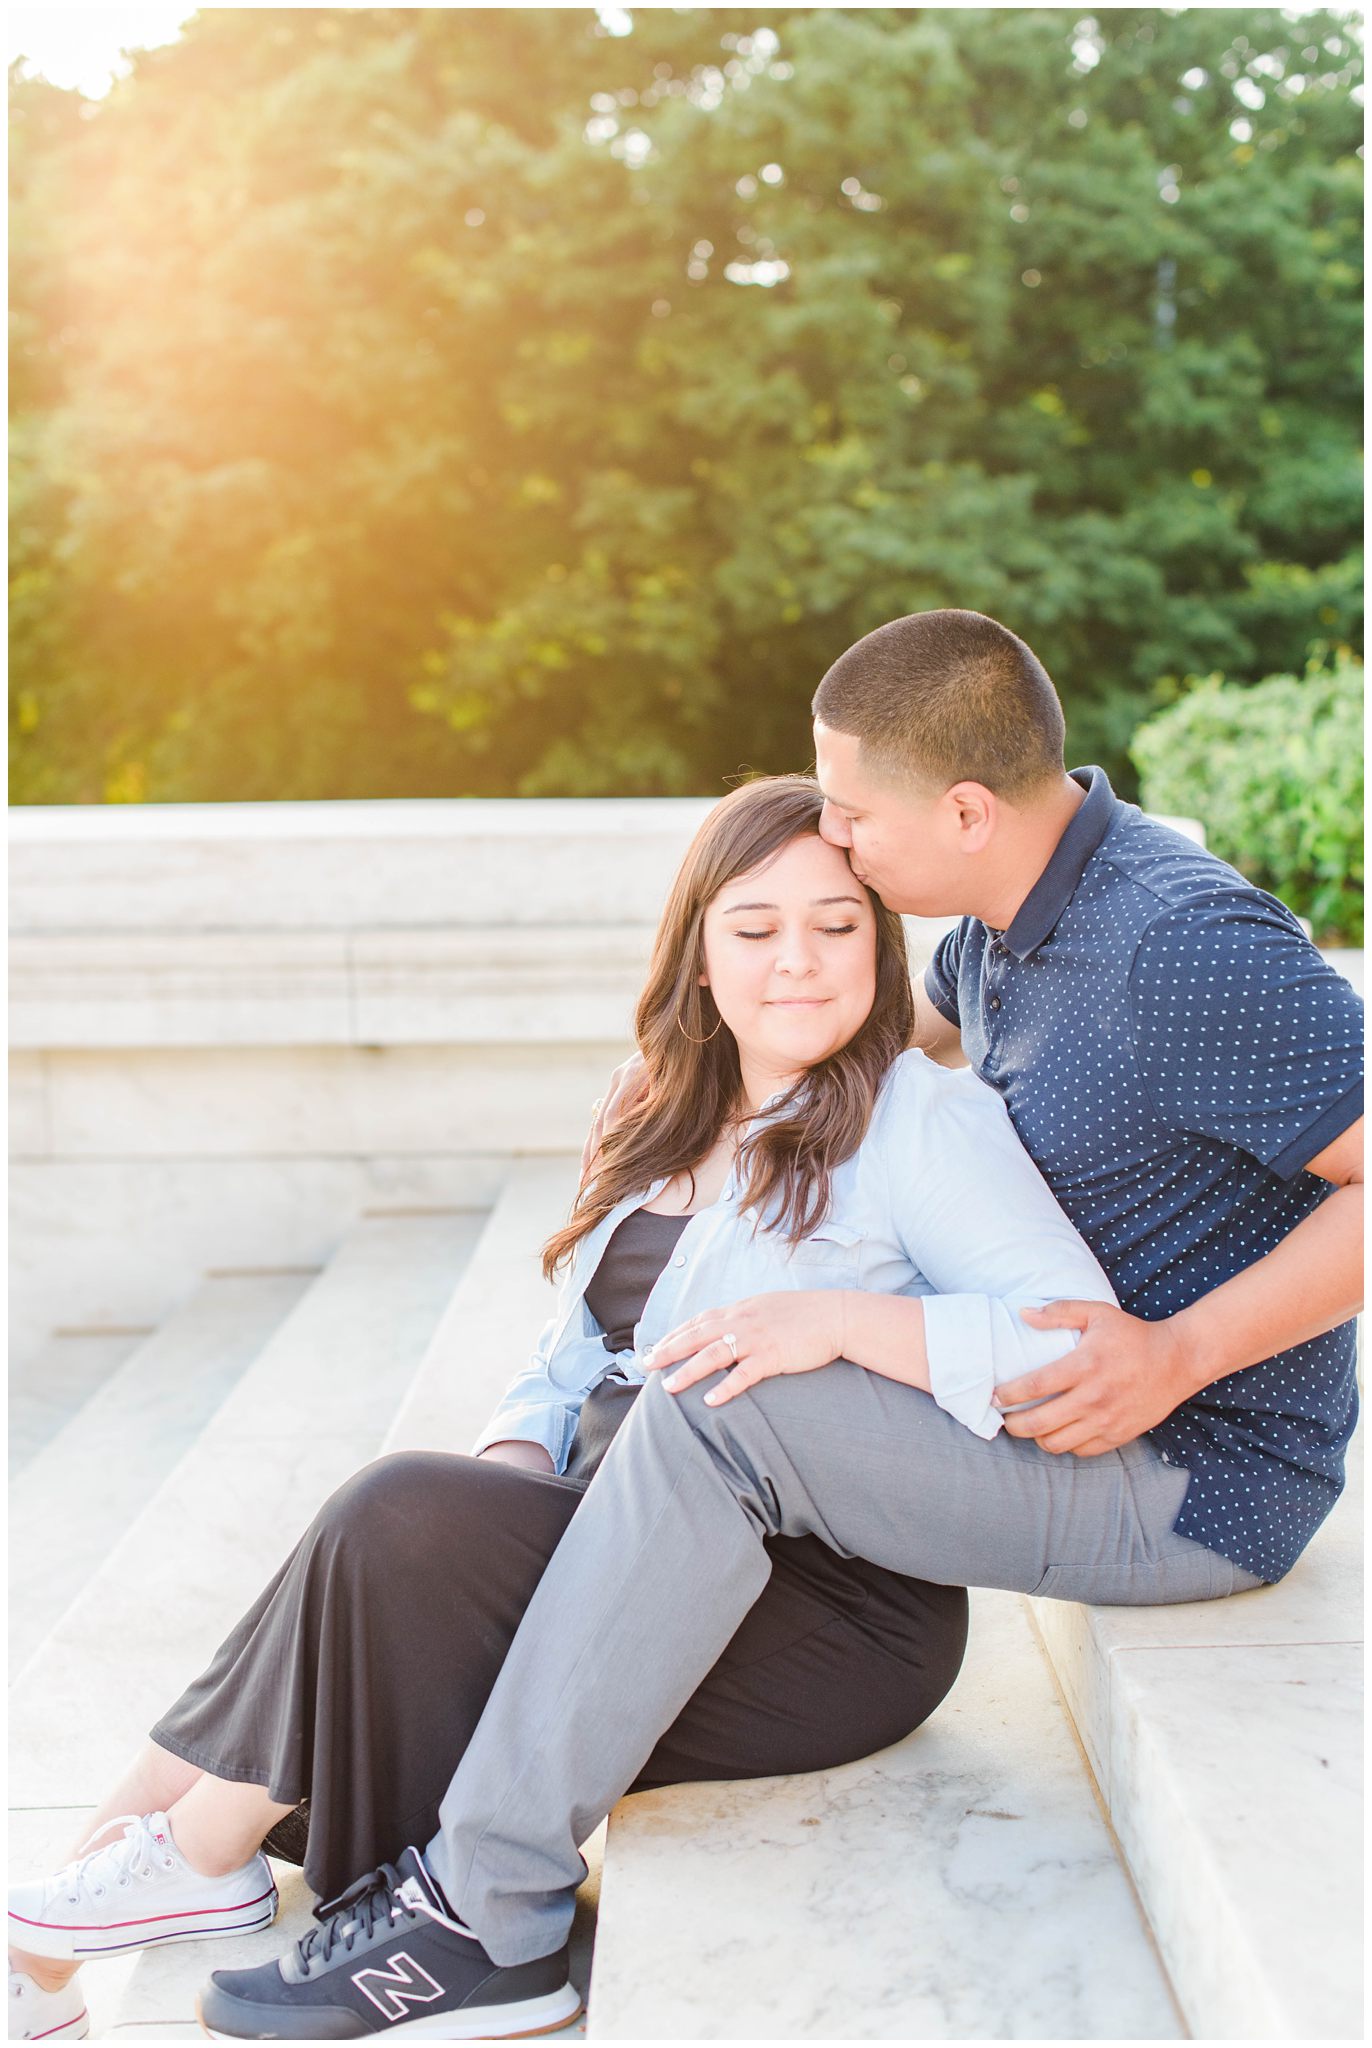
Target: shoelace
(382, 1895)
(120, 1861)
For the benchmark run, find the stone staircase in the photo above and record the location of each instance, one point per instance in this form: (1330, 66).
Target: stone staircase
(1121, 1825)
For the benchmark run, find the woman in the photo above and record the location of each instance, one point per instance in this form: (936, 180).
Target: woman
(774, 1155)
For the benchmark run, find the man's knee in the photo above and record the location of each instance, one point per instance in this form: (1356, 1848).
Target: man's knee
(739, 1437)
(717, 1427)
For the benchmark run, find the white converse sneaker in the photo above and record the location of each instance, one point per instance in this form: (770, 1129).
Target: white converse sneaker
(39, 2015)
(138, 1892)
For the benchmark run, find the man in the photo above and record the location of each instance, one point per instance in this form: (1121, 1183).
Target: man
(1185, 1071)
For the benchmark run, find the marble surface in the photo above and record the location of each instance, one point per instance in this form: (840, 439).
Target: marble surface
(293, 1102)
(1238, 1802)
(95, 1242)
(49, 1388)
(108, 988)
(29, 1133)
(530, 984)
(961, 1885)
(198, 867)
(493, 1316)
(1319, 1601)
(341, 924)
(116, 1449)
(1226, 1738)
(306, 1414)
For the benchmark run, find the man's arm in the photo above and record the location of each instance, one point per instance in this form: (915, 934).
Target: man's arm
(935, 1035)
(1127, 1375)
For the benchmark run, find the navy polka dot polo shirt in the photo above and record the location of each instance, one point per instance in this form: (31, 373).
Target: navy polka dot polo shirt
(1172, 1051)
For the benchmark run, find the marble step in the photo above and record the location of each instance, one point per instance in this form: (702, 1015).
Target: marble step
(961, 1885)
(49, 1388)
(1226, 1739)
(313, 1406)
(74, 1500)
(493, 1318)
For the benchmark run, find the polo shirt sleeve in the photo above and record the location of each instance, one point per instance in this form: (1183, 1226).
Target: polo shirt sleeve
(1243, 1033)
(941, 975)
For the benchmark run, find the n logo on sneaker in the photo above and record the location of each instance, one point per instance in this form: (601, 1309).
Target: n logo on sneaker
(404, 1982)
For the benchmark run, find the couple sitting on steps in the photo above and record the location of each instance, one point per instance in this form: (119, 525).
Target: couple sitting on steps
(841, 1332)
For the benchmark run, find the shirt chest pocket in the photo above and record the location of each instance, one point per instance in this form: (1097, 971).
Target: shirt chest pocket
(831, 1256)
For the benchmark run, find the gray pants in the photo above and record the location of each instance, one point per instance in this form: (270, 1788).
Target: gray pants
(664, 1557)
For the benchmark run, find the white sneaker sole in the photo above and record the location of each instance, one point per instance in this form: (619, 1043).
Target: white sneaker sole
(73, 1944)
(66, 2030)
(483, 2023)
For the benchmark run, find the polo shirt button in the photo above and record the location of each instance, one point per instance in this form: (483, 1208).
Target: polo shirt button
(994, 1003)
(680, 1259)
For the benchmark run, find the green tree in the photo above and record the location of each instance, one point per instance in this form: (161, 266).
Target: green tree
(430, 401)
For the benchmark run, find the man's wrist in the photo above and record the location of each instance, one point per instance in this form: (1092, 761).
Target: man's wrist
(1188, 1354)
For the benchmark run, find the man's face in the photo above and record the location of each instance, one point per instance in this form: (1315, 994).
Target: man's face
(903, 844)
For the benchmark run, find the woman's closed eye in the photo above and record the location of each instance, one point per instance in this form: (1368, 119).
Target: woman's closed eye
(833, 931)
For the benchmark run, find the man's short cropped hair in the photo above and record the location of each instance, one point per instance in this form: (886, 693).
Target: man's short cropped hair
(944, 697)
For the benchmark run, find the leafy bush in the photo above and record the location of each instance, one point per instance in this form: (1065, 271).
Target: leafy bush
(1274, 772)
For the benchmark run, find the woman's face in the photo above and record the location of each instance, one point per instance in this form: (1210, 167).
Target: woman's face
(791, 961)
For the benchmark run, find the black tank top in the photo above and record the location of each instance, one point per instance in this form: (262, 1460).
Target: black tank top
(620, 1285)
(628, 1272)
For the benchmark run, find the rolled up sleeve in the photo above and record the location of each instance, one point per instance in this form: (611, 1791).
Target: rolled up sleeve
(978, 1221)
(538, 1409)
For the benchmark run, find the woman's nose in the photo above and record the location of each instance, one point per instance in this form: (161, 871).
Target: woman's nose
(797, 955)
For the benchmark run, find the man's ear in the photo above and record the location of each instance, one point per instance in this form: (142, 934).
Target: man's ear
(975, 811)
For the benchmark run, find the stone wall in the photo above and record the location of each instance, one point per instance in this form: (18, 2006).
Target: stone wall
(234, 1028)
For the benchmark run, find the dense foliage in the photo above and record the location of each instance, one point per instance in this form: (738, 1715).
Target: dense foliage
(1276, 773)
(448, 401)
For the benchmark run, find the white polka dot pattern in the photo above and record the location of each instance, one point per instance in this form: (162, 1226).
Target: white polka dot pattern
(1172, 1050)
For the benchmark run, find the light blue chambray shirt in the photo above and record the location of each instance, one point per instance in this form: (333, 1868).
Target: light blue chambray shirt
(940, 1200)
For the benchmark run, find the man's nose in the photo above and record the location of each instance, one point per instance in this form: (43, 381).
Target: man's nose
(833, 826)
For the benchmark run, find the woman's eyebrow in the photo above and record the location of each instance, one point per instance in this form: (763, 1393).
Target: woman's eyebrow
(818, 903)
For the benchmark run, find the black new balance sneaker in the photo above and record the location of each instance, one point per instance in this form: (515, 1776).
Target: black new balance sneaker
(388, 1958)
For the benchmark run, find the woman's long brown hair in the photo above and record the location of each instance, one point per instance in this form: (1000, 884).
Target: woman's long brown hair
(693, 1084)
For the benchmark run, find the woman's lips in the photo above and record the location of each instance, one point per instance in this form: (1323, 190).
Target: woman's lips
(797, 1002)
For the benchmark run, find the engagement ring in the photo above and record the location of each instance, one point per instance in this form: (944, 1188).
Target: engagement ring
(732, 1341)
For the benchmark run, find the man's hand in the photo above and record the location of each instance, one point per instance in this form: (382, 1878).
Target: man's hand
(1123, 1378)
(627, 1083)
(774, 1333)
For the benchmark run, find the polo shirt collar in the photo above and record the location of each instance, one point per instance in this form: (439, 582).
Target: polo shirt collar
(1053, 890)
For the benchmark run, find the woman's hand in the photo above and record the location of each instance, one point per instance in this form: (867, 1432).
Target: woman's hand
(773, 1333)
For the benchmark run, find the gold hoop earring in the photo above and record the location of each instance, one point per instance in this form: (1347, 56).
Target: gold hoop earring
(698, 1041)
